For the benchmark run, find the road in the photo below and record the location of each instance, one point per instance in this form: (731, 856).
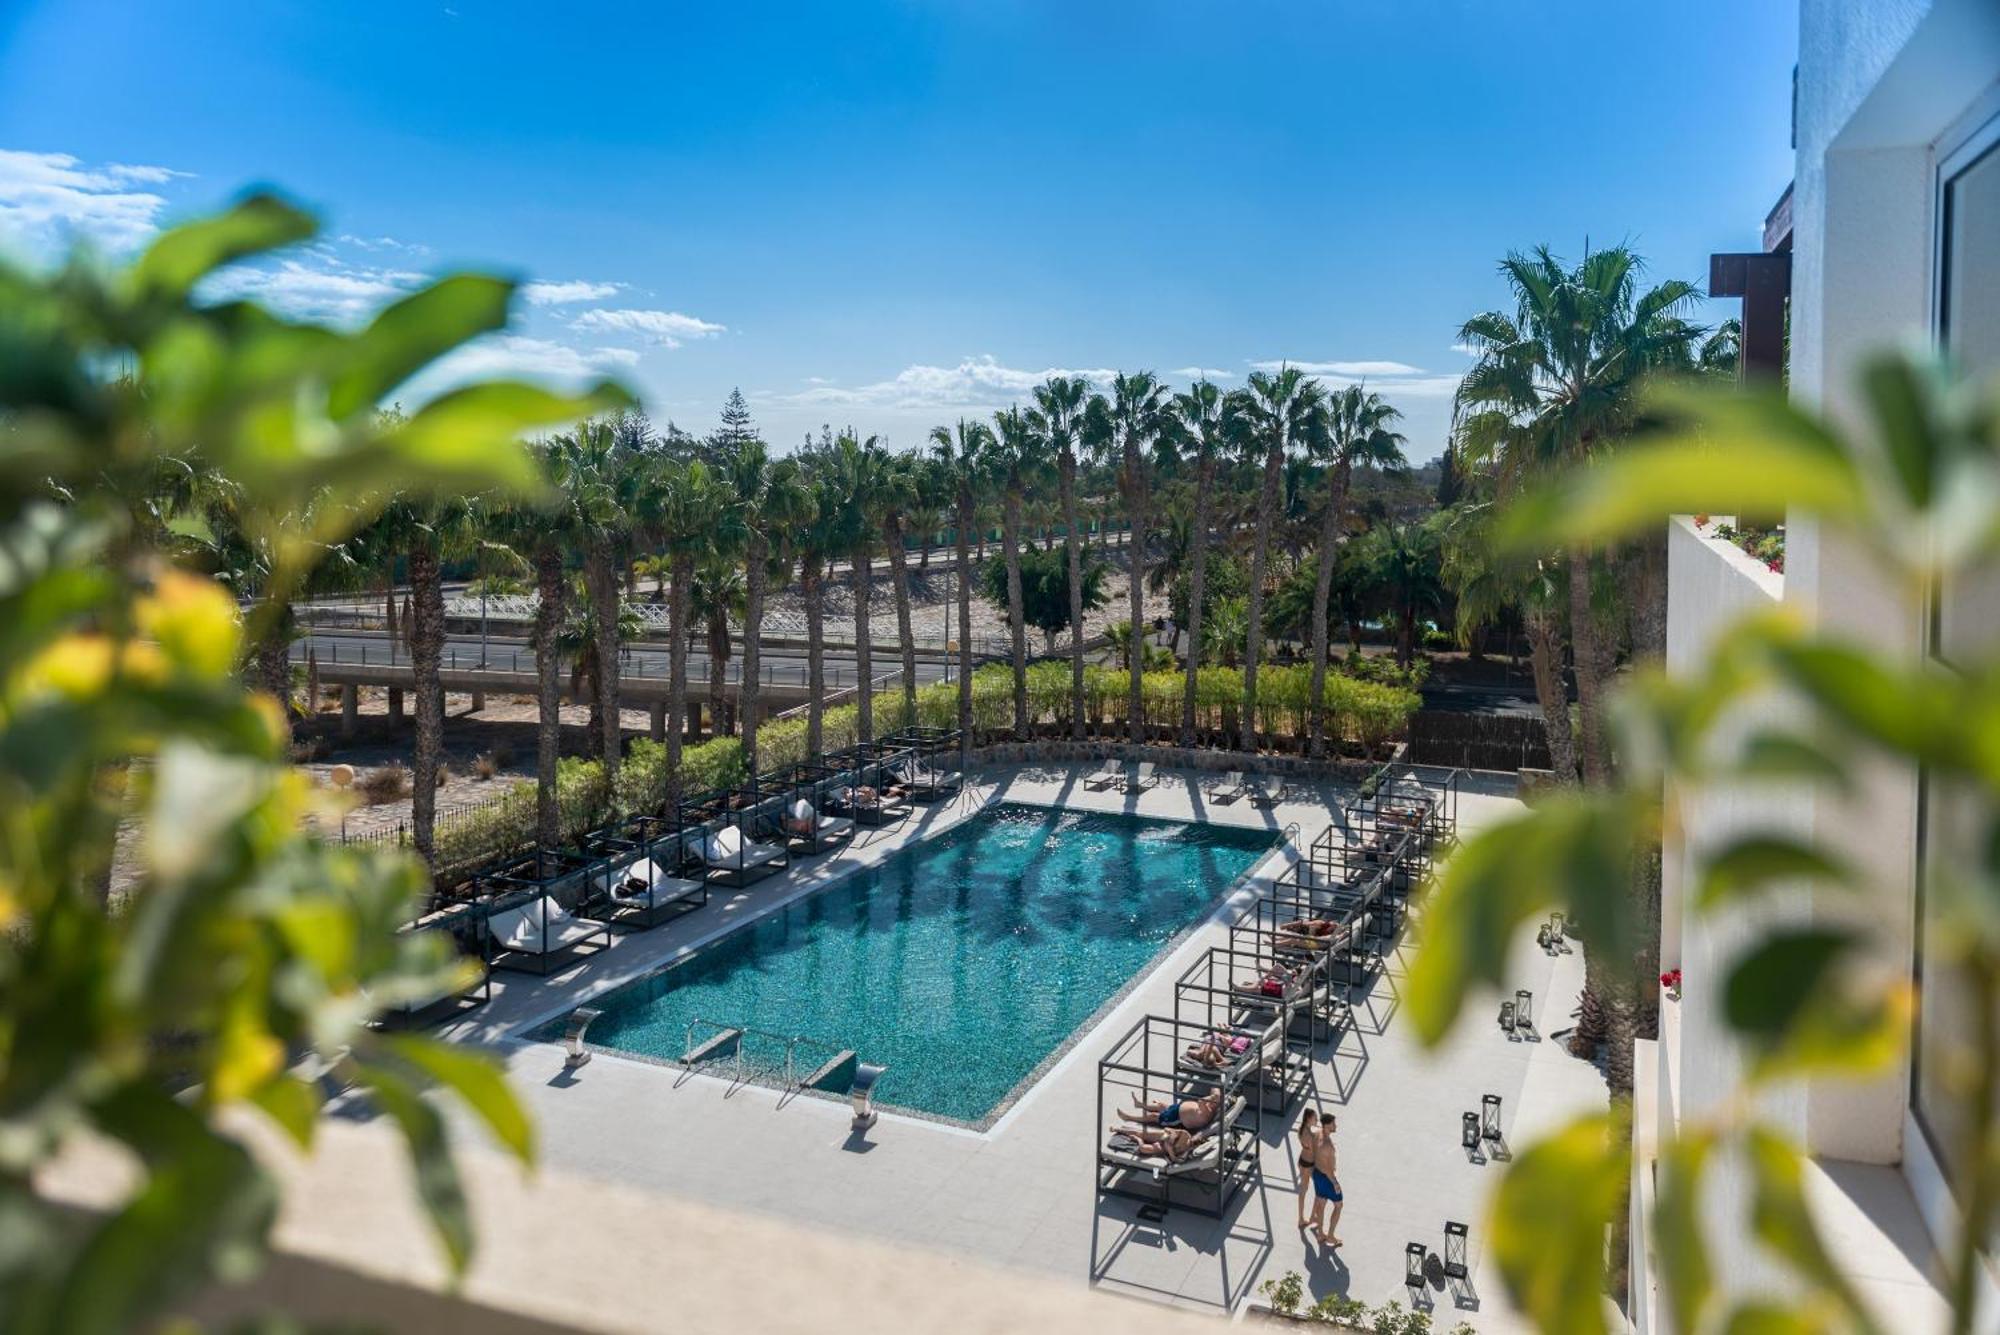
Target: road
(506, 653)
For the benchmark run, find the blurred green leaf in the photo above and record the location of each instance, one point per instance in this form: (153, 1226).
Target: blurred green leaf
(462, 436)
(424, 1135)
(201, 1213)
(1782, 1221)
(182, 257)
(1765, 1318)
(1571, 851)
(477, 1079)
(1779, 977)
(1548, 1222)
(1685, 1271)
(294, 1105)
(414, 332)
(1909, 712)
(1909, 436)
(1751, 863)
(1775, 755)
(1748, 453)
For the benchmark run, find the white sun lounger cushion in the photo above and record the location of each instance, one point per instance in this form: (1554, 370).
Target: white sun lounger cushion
(522, 928)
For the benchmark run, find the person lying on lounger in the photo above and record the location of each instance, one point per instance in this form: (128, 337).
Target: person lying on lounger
(1167, 1142)
(1275, 982)
(1216, 1051)
(1187, 1114)
(1309, 932)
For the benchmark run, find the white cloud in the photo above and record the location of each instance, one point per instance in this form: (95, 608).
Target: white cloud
(48, 200)
(1203, 373)
(521, 356)
(975, 383)
(1346, 370)
(1393, 380)
(668, 328)
(563, 294)
(321, 287)
(1466, 348)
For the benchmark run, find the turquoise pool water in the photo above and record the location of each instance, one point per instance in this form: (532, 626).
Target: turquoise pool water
(960, 963)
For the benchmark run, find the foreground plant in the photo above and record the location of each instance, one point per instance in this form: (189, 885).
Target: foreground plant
(149, 1019)
(1921, 490)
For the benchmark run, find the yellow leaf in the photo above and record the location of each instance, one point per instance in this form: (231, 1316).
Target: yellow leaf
(193, 621)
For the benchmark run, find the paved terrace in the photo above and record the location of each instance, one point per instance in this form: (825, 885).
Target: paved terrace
(1023, 1194)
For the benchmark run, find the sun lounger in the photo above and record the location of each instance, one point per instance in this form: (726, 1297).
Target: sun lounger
(1231, 788)
(874, 809)
(734, 860)
(925, 783)
(1104, 776)
(807, 831)
(541, 931)
(643, 891)
(1205, 1153)
(1143, 779)
(1269, 791)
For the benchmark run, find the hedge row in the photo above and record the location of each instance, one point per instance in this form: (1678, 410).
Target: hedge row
(1363, 716)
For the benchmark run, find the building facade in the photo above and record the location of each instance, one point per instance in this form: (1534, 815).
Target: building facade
(1895, 235)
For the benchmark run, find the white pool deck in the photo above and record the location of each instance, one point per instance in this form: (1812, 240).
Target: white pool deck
(1023, 1194)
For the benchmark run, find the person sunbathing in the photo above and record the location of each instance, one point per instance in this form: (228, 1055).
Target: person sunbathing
(1314, 933)
(1169, 1143)
(1216, 1051)
(1188, 1114)
(1275, 982)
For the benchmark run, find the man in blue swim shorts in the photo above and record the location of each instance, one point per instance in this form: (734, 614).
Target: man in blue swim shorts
(1187, 1114)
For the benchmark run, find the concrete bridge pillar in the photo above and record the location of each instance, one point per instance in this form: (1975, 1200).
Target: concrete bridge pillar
(478, 701)
(659, 720)
(395, 704)
(350, 708)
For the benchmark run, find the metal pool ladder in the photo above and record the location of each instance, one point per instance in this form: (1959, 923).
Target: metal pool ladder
(727, 1038)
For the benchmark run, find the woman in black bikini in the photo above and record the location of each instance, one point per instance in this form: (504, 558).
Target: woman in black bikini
(1308, 1149)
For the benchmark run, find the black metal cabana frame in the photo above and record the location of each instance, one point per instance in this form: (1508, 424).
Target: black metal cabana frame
(553, 891)
(1146, 1062)
(637, 895)
(808, 781)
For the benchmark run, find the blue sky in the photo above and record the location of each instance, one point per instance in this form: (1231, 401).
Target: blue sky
(888, 213)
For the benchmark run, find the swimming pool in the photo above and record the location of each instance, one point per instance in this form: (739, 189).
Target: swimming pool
(962, 963)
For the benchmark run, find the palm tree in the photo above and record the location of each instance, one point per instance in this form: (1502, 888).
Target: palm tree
(1061, 402)
(816, 542)
(858, 466)
(597, 482)
(1358, 431)
(963, 455)
(1137, 412)
(775, 503)
(433, 532)
(1199, 427)
(1486, 582)
(901, 497)
(1555, 383)
(698, 518)
(717, 598)
(1018, 468)
(1285, 409)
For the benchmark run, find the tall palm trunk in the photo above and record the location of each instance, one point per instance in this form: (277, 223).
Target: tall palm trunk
(1197, 589)
(964, 625)
(861, 571)
(426, 649)
(906, 638)
(548, 692)
(1586, 639)
(1329, 550)
(1545, 656)
(721, 714)
(601, 574)
(1017, 628)
(273, 658)
(1267, 503)
(1135, 561)
(679, 601)
(810, 586)
(1646, 583)
(1067, 474)
(750, 694)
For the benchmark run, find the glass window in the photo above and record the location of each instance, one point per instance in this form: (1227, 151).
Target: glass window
(1966, 625)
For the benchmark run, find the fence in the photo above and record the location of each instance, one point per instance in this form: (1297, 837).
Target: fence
(1478, 741)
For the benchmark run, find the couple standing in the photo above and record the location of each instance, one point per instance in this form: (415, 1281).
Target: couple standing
(1318, 1168)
